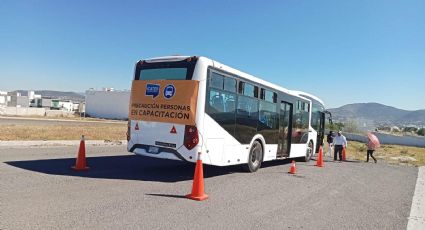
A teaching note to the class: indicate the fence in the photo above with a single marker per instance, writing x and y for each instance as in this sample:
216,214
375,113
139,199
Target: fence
390,139
30,111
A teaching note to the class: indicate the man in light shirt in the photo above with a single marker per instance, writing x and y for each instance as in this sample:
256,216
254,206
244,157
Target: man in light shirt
339,143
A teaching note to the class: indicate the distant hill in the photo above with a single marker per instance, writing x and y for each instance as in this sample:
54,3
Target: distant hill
418,115
76,97
375,114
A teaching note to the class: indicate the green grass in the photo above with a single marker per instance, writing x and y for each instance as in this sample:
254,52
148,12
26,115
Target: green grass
393,154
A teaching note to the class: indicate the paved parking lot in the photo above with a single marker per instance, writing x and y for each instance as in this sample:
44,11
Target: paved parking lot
123,191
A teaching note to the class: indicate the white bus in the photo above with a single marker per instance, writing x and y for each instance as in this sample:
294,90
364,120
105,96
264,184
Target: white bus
237,118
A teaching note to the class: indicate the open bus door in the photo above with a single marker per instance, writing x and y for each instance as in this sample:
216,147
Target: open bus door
321,131
285,130
326,112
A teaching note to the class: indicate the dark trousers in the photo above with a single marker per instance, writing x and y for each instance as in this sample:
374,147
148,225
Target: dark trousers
370,152
338,150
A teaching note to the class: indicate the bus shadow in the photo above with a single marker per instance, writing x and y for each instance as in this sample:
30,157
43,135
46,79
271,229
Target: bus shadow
131,167
277,163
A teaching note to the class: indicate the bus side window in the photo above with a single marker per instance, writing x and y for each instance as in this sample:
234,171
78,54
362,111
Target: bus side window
242,108
217,103
216,80
222,102
230,104
230,84
249,90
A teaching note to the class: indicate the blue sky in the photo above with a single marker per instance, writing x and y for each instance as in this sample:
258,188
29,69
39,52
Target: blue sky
342,51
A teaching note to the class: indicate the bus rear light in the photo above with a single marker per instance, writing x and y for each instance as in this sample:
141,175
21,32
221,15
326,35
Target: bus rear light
128,130
191,138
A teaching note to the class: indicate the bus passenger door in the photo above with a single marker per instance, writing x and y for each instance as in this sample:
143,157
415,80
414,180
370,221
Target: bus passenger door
320,132
285,130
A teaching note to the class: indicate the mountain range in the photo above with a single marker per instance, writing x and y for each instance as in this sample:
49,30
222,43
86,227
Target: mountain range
76,97
375,114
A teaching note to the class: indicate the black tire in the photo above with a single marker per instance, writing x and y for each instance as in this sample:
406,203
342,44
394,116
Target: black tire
255,157
308,152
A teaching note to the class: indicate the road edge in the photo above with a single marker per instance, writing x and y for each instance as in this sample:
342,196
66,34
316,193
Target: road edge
417,210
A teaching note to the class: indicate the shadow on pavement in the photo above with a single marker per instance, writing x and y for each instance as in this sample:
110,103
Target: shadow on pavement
131,167
353,161
166,195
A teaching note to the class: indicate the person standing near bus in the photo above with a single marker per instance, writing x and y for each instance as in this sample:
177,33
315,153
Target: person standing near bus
339,143
330,140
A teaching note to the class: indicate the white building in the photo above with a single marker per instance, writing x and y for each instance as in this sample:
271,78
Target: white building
17,100
107,103
75,106
66,106
3,98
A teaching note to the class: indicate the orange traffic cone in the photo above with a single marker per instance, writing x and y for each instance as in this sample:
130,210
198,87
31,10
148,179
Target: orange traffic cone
80,163
319,162
293,169
198,182
343,154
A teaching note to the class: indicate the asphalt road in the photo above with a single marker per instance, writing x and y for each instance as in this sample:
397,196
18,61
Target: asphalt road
50,122
122,191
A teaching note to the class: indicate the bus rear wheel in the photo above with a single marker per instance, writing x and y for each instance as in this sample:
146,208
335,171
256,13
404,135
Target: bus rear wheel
255,157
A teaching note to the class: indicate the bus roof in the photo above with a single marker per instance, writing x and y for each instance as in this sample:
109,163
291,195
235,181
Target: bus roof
304,94
263,82
171,58
229,69
255,79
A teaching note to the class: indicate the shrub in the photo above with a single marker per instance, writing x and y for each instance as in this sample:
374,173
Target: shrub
410,129
335,126
421,132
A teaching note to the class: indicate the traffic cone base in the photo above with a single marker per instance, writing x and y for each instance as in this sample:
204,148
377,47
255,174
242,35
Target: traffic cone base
198,183
293,168
80,169
198,198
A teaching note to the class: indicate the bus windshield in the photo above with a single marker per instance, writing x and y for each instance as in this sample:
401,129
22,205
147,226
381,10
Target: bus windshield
163,73
167,70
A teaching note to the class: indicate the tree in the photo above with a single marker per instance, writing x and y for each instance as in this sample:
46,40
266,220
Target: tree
335,126
421,132
410,129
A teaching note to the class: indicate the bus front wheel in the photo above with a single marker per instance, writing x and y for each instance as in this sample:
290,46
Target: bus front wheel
308,152
255,157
